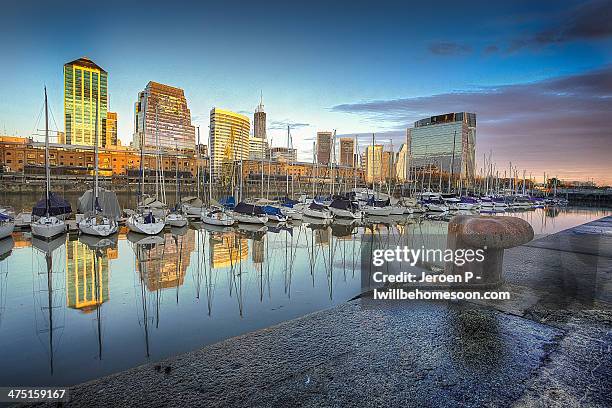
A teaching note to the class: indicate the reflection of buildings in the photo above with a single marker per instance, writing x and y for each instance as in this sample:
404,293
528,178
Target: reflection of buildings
322,236
227,249
86,281
165,265
258,254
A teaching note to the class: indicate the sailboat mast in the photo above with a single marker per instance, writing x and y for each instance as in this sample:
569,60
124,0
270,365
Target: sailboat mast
198,166
47,170
95,200
287,163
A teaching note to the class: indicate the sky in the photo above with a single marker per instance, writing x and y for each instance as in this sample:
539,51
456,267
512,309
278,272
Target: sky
537,74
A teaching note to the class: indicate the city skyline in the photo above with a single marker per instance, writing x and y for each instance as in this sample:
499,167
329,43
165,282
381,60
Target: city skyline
539,80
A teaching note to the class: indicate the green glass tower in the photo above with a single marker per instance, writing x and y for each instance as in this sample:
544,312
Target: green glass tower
85,85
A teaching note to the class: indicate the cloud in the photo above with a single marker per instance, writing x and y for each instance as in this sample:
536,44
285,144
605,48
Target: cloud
449,48
589,21
491,49
282,124
560,123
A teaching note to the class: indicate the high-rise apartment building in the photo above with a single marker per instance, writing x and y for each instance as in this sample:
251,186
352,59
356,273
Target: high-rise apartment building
162,119
374,158
324,147
402,162
229,135
85,93
111,129
447,142
347,151
258,144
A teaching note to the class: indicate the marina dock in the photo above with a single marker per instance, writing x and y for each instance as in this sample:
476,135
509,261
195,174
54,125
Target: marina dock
551,345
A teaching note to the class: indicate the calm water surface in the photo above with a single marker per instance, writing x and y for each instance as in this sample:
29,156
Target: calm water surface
76,308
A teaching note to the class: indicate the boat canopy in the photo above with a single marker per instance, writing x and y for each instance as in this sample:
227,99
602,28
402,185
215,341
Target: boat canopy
4,217
57,206
317,206
152,202
378,203
228,202
192,201
250,209
107,203
343,204
269,210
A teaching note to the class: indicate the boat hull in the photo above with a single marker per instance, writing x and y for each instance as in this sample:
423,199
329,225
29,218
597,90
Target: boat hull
48,227
340,213
6,229
137,224
322,215
176,220
90,226
377,211
250,219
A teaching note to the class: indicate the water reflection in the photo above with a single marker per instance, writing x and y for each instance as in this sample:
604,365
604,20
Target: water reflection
78,308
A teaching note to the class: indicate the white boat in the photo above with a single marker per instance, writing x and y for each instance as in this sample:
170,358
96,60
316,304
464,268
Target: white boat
377,211
319,211
98,222
192,206
99,226
48,227
249,214
292,213
7,224
176,219
435,207
397,210
216,216
345,209
145,223
23,219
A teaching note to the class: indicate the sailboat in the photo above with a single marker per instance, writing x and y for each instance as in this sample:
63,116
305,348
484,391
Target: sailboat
216,214
143,221
48,225
96,222
7,224
176,217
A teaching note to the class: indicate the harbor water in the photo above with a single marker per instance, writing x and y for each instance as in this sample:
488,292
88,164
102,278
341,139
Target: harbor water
76,308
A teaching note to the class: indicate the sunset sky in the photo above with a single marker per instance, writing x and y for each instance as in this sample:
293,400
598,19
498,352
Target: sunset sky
537,74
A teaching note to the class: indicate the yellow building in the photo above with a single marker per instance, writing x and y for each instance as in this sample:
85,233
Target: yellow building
85,93
374,163
111,129
403,161
229,135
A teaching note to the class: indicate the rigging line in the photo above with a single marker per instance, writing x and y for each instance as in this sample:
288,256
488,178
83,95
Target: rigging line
37,120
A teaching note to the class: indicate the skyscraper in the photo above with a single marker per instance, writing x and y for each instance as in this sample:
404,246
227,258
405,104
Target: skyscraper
402,163
85,89
447,142
111,129
347,151
162,118
229,135
258,143
374,163
324,146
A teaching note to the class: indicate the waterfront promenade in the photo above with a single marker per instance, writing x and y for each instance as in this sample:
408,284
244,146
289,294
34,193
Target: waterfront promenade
551,345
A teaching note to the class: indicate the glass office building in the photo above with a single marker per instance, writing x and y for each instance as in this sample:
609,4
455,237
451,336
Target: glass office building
445,142
229,136
85,86
162,119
